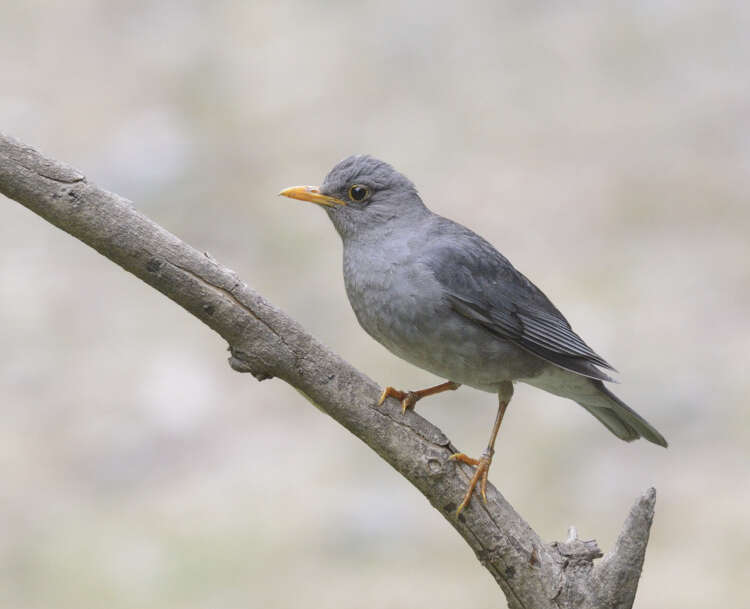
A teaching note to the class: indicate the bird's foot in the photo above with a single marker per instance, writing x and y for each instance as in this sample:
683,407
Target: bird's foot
409,398
480,475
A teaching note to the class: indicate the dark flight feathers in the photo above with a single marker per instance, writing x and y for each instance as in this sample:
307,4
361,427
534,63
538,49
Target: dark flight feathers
483,286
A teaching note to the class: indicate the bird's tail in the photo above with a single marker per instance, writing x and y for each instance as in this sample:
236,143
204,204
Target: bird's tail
618,417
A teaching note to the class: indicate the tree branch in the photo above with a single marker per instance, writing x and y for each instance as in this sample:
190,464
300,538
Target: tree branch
267,343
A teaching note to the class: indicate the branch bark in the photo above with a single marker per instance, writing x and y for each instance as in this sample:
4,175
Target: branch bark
267,343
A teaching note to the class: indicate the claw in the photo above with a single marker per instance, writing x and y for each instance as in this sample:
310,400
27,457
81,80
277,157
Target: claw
480,476
408,401
483,463
390,392
407,398
384,395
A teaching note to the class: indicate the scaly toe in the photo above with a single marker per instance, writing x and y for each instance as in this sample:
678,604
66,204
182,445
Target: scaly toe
390,392
409,401
479,477
483,484
463,459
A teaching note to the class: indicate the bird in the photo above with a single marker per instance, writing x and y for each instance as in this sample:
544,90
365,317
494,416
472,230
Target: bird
441,297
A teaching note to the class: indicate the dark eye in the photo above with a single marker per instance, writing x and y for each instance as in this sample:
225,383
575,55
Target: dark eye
357,192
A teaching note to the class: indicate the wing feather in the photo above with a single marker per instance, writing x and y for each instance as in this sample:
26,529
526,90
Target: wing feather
483,286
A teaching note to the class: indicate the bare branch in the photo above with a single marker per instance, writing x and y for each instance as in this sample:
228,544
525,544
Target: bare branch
267,343
616,577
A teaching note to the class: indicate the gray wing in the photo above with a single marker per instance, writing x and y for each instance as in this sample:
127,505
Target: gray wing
483,286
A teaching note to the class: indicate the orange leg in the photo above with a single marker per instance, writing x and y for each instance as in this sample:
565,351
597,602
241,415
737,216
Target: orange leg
485,460
409,398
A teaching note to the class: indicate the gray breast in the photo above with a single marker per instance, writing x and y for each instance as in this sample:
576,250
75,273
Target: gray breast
398,301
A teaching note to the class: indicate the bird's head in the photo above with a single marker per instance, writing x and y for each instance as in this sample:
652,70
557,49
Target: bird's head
361,193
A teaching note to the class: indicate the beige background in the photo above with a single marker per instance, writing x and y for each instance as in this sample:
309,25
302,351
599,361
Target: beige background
604,148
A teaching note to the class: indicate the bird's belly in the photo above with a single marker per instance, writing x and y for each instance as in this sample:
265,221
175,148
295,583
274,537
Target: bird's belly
417,325
463,354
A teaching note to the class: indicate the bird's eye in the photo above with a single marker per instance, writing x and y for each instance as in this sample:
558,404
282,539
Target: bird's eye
357,192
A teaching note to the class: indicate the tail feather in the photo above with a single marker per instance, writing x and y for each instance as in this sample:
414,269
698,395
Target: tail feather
612,422
620,418
591,393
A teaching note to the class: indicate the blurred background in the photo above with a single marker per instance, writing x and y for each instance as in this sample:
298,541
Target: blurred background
604,148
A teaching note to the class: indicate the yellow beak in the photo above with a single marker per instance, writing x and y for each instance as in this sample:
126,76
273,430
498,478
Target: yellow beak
312,194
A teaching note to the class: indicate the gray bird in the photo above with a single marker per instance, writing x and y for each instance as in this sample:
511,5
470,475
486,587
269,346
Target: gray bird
441,297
